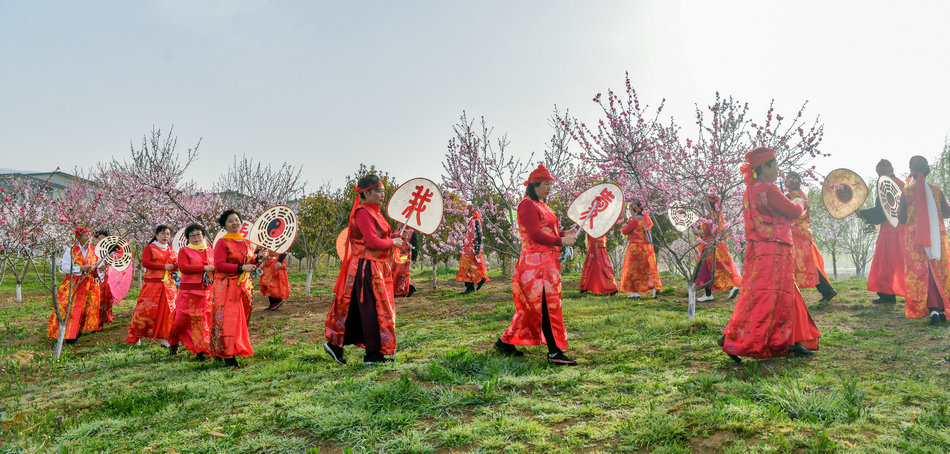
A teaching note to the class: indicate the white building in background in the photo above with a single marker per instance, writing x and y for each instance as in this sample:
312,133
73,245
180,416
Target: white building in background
59,181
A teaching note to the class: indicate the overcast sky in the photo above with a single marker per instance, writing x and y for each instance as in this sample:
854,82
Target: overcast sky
331,84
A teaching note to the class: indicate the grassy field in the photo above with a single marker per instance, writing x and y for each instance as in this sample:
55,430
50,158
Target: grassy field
649,380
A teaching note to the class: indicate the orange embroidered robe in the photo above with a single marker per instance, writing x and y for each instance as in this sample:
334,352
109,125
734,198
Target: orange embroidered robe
155,308
726,273
598,273
918,268
770,315
808,261
381,282
274,282
471,264
83,316
639,273
231,303
536,279
192,322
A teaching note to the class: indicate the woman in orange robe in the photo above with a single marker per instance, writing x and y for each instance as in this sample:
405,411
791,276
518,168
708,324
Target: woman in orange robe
770,318
193,306
639,273
472,269
78,263
886,276
923,208
809,265
597,275
231,306
536,280
274,283
402,265
726,276
105,292
155,308
363,312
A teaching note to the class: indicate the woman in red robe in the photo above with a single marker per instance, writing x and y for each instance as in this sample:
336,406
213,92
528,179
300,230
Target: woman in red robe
597,275
809,265
639,273
274,283
193,306
402,265
472,269
231,306
725,275
886,276
155,308
923,208
78,263
770,318
536,280
105,292
363,312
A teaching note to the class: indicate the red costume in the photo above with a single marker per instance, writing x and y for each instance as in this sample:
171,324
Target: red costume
536,280
770,315
193,306
83,316
363,312
926,264
156,304
231,306
402,265
808,261
598,273
274,282
886,276
472,267
726,274
106,300
639,273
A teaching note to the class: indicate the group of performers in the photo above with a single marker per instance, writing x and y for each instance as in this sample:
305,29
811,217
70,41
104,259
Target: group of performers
209,311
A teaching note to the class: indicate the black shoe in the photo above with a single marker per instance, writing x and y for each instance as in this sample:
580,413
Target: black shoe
560,359
412,289
273,307
882,300
375,358
479,285
335,352
173,350
735,358
582,291
70,341
721,341
828,296
468,290
943,318
936,320
200,356
799,350
507,349
231,362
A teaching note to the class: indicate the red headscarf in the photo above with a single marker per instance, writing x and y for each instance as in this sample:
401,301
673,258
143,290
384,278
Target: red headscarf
474,213
919,170
538,175
79,231
754,159
341,277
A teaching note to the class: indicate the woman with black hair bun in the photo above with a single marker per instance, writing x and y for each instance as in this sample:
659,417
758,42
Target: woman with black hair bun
156,304
231,310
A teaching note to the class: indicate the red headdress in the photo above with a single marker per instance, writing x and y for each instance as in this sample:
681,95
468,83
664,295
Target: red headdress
341,277
79,231
538,175
474,213
754,159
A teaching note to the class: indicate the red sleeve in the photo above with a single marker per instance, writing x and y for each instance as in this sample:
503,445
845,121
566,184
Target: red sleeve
188,266
780,204
148,261
366,225
221,259
628,228
529,217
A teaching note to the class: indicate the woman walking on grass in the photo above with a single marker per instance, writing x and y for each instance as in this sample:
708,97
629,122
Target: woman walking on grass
156,304
193,306
536,281
231,310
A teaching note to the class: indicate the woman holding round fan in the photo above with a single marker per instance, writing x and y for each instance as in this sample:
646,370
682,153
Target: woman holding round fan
536,281
193,307
639,273
156,304
363,312
231,310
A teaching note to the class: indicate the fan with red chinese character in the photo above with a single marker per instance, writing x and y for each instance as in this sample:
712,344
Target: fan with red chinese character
417,204
597,209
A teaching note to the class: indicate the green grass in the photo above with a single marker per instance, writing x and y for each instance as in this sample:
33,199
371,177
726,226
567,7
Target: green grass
649,380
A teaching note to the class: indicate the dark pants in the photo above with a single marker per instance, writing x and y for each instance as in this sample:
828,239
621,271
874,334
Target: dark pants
887,297
546,325
273,300
934,298
824,287
362,325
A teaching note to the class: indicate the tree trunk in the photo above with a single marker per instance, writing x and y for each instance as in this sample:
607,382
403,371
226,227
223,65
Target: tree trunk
59,340
435,276
19,291
834,263
309,279
691,307
3,270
